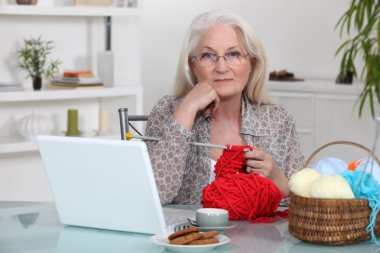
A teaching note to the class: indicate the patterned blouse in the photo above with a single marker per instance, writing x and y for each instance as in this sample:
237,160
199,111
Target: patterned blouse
182,170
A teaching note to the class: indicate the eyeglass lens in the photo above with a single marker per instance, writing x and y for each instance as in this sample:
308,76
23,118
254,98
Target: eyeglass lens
209,59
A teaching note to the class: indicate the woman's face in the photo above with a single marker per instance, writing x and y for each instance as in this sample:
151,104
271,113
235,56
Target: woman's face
229,77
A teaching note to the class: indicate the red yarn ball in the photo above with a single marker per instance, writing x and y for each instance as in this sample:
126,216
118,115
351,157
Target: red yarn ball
245,196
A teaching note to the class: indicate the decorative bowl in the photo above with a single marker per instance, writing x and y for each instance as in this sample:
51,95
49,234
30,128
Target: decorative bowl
34,124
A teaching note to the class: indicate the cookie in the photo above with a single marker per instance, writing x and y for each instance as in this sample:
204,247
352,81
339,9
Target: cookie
210,234
185,239
204,241
183,232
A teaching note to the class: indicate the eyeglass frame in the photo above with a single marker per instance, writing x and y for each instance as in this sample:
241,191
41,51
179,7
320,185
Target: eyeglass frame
217,59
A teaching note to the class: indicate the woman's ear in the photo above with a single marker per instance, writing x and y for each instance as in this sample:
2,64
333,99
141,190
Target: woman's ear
191,63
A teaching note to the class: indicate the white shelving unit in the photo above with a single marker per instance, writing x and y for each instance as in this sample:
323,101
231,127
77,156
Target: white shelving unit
69,94
10,144
68,11
22,176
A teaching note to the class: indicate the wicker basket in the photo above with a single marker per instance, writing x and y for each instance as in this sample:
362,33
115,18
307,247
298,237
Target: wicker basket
330,221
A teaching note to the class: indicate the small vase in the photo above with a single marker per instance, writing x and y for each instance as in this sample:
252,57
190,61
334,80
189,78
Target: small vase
347,79
37,83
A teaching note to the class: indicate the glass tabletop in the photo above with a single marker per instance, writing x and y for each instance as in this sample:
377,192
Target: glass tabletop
35,227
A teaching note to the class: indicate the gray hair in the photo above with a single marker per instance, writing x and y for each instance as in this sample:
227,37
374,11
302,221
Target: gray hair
255,89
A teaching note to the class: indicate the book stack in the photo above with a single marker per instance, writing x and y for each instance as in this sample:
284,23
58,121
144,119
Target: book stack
93,2
77,79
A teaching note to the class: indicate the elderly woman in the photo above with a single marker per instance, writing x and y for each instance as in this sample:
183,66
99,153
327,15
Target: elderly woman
220,98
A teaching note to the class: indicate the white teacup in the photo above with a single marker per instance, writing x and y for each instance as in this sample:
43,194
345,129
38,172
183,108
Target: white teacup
211,217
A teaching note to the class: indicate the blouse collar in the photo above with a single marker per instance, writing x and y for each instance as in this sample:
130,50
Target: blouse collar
250,120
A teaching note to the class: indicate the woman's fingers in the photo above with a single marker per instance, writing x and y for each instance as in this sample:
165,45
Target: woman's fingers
259,162
255,155
208,99
260,172
215,104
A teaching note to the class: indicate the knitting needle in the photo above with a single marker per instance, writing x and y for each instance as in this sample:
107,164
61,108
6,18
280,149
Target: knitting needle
371,156
129,136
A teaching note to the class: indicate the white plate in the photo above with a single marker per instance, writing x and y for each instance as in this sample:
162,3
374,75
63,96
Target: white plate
163,241
229,225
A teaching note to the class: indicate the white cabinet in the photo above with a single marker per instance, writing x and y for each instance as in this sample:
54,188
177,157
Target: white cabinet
325,112
22,175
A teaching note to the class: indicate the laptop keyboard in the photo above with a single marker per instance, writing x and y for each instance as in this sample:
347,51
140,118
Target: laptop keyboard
176,219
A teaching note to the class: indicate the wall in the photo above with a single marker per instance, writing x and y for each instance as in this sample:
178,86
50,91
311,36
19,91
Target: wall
298,35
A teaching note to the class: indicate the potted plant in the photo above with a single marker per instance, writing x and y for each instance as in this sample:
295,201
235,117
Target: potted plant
33,58
363,19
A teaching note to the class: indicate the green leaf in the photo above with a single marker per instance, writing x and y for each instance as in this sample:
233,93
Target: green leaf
342,46
369,4
343,64
378,34
349,16
359,16
342,26
341,22
371,105
362,97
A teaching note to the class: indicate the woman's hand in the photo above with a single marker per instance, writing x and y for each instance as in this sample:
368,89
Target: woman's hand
203,98
263,164
260,162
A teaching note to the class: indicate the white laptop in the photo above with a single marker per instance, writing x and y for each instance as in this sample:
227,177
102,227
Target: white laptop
107,184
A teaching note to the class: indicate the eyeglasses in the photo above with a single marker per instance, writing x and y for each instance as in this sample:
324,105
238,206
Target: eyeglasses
209,59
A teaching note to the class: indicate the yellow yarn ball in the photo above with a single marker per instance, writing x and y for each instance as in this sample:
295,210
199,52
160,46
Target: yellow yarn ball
331,187
300,182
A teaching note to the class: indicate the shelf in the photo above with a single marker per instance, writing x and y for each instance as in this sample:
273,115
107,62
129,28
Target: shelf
16,145
20,96
9,145
91,11
317,86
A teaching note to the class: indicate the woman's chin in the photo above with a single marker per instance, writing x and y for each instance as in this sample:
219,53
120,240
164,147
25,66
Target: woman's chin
224,92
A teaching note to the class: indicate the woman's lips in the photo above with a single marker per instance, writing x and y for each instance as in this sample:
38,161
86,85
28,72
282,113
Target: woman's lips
222,80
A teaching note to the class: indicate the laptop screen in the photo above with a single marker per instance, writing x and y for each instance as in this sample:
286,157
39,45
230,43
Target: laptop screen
101,183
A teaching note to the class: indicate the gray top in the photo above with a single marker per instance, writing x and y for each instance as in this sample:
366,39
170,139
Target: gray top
183,170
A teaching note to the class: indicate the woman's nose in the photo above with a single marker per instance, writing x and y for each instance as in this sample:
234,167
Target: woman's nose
221,65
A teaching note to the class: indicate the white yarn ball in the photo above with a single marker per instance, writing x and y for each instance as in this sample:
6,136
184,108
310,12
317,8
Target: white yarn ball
331,187
300,182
